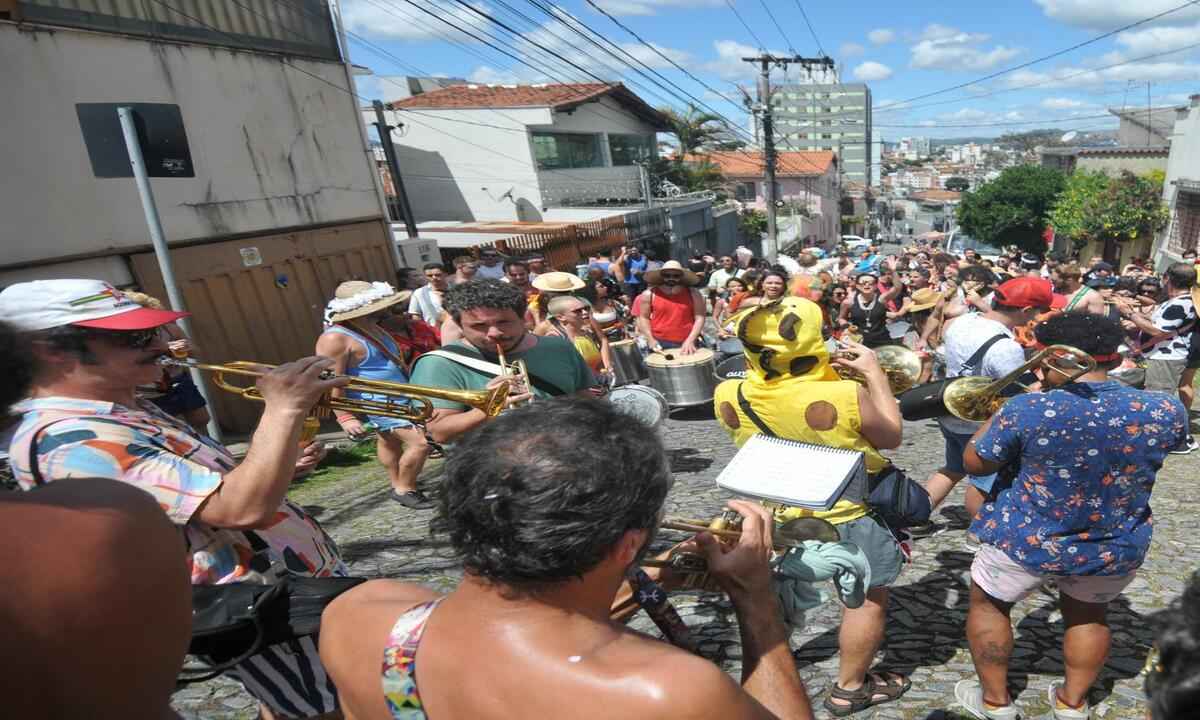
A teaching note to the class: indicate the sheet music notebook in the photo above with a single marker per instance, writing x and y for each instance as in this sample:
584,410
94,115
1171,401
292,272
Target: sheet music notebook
795,473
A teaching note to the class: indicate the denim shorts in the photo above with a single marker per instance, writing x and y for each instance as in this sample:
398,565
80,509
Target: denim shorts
956,443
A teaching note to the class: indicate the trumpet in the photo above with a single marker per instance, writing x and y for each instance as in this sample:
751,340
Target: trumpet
405,402
978,398
517,369
901,365
727,527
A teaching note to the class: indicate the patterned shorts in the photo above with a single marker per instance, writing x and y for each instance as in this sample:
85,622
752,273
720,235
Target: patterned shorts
1003,578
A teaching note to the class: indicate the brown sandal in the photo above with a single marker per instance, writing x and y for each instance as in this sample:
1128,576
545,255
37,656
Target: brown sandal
877,682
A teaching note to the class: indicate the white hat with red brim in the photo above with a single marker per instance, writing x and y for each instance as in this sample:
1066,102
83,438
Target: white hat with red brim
45,304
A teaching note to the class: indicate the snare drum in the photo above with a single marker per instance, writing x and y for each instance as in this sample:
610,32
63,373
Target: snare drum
685,380
627,362
732,368
641,402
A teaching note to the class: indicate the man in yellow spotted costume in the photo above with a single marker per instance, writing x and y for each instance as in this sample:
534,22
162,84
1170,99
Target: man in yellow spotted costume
792,391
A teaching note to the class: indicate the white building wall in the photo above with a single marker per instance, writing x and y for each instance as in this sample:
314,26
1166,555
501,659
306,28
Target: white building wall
272,147
462,164
1183,163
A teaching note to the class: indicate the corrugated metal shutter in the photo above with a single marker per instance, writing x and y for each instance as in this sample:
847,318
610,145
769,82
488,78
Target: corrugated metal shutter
262,298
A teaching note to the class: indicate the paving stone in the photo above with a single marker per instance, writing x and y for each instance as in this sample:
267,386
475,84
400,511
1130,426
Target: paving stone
927,611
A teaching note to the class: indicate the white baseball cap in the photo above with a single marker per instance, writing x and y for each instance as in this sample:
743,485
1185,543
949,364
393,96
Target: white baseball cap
44,304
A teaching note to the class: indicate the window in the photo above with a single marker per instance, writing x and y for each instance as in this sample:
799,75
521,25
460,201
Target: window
553,151
630,149
746,192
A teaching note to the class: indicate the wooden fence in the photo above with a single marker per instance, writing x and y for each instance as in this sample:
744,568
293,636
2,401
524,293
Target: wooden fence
566,247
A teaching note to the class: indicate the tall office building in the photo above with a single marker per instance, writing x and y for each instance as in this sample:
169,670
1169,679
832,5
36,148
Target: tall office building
833,117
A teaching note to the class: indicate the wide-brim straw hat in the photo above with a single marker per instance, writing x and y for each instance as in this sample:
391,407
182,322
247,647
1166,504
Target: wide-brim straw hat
358,298
654,277
924,299
558,281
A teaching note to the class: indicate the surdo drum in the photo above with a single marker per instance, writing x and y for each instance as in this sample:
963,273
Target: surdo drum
685,380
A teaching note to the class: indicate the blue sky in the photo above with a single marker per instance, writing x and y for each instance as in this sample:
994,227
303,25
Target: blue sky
901,49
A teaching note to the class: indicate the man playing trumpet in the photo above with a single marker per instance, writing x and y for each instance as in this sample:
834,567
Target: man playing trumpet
491,315
792,391
92,348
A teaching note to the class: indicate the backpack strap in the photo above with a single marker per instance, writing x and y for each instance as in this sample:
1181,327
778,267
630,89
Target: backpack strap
744,404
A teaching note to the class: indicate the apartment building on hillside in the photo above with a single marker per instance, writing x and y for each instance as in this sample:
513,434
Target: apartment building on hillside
834,117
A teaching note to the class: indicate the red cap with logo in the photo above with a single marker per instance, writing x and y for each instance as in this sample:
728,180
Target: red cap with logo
1025,292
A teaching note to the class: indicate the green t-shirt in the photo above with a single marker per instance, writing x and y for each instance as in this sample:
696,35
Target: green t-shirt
553,360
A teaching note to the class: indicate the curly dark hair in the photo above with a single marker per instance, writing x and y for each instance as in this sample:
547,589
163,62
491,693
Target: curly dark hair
977,273
1173,684
1091,333
486,293
16,366
531,499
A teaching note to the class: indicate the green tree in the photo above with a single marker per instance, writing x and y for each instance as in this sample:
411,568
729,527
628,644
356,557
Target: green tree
958,184
696,130
1012,209
1107,210
752,223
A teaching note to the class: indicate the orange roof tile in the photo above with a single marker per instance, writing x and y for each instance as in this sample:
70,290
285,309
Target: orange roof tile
937,195
563,96
738,163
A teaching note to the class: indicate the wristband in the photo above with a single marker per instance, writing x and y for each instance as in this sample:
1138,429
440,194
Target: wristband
344,417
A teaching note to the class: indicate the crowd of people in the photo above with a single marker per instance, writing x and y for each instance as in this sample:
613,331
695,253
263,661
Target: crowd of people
1059,479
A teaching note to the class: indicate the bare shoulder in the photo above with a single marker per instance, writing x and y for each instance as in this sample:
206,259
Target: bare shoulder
681,685
332,343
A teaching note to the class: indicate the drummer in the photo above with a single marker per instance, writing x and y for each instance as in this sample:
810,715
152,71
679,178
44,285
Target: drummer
672,311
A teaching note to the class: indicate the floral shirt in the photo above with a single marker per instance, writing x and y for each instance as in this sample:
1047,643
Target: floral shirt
180,469
1088,454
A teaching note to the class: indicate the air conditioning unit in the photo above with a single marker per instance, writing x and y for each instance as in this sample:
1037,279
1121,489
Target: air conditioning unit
415,252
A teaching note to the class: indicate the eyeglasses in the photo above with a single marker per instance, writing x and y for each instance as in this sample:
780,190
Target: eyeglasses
672,276
579,311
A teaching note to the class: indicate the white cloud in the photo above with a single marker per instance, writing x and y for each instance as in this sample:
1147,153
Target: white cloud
872,71
1107,14
1061,103
649,7
653,59
728,65
881,36
946,48
1083,77
849,50
966,114
487,75
1158,39
408,23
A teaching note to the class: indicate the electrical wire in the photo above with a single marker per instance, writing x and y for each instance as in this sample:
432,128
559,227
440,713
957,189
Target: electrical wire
810,29
757,39
787,41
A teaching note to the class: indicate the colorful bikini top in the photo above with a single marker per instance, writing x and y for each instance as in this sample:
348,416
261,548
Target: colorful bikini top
400,663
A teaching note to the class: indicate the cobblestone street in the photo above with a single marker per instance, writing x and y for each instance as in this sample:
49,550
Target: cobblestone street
925,631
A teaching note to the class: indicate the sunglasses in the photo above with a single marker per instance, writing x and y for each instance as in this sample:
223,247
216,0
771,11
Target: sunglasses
133,339
672,276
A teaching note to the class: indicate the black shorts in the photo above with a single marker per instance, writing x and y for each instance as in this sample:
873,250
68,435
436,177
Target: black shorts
1193,358
181,397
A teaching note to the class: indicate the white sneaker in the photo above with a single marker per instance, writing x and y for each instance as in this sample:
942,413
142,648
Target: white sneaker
1190,446
969,694
1066,713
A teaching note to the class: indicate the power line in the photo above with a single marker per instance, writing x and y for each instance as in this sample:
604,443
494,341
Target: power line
757,39
1044,58
1003,124
810,28
782,34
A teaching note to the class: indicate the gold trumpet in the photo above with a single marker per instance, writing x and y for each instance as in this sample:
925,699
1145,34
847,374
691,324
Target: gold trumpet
727,526
405,402
516,369
978,398
901,365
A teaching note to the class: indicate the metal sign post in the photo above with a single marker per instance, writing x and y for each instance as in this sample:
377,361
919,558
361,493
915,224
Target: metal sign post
161,253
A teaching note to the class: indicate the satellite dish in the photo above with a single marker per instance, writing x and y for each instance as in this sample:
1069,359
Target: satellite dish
1069,136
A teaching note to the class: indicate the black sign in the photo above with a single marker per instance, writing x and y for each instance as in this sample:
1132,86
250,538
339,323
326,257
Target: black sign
160,133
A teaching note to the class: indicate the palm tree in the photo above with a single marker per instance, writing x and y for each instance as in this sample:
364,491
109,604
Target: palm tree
695,130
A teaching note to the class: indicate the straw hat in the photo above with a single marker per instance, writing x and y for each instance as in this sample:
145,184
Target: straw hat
557,281
654,277
924,299
356,298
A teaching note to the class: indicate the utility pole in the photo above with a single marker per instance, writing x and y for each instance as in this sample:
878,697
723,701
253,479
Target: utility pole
765,62
385,137
644,176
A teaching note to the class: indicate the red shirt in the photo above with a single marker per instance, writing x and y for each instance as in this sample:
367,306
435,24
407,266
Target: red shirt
671,316
421,338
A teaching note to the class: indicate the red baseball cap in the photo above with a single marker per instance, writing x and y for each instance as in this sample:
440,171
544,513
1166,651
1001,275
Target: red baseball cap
44,304
1025,292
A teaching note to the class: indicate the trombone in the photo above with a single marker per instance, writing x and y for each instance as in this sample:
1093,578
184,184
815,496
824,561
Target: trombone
978,398
394,400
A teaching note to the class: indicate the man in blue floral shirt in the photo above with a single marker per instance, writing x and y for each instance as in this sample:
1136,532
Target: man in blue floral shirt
1078,510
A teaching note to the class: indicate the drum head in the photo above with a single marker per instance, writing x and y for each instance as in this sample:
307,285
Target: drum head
676,358
641,402
732,368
